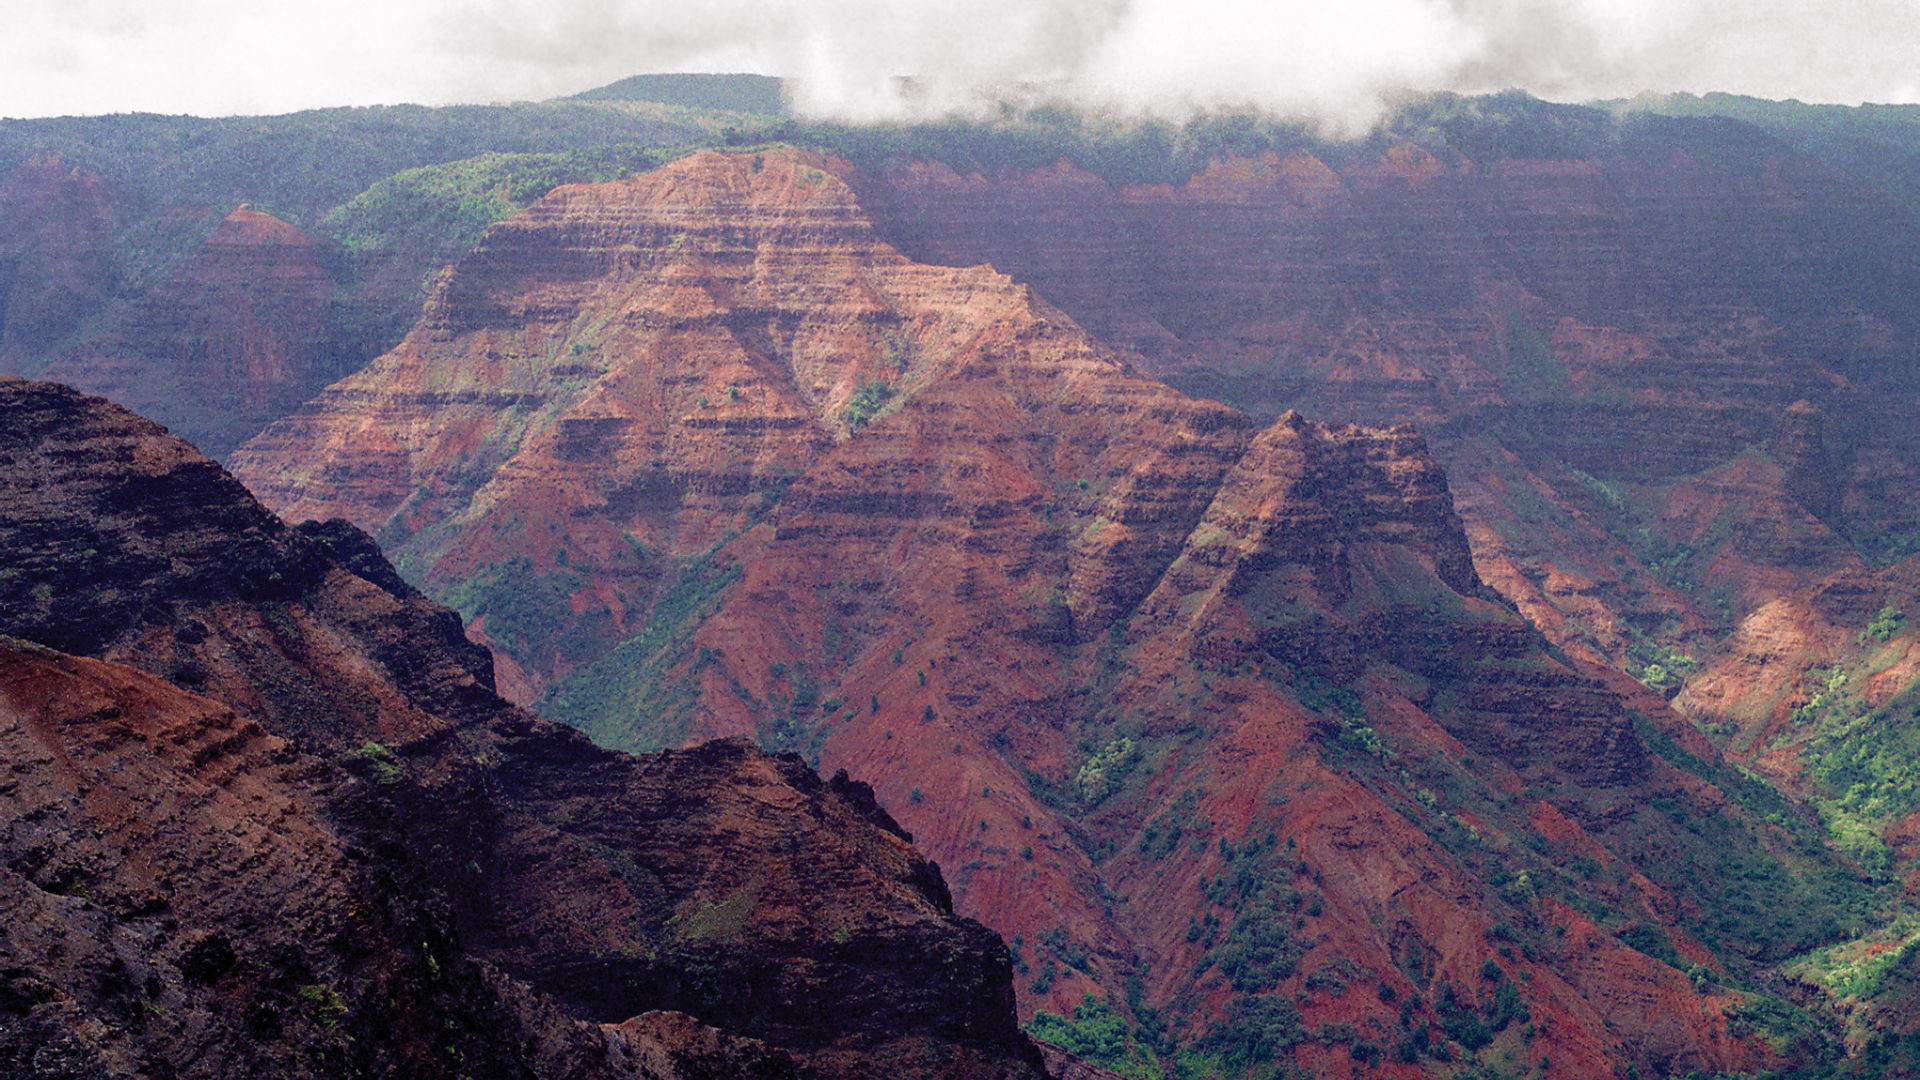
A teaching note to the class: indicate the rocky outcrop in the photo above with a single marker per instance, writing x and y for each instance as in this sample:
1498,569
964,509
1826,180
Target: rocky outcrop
129,545
182,899
232,338
343,853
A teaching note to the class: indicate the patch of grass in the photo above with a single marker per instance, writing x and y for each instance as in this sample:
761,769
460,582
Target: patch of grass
866,403
640,696
1099,1033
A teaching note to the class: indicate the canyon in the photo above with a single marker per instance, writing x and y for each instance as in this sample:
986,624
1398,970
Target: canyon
705,457
1508,670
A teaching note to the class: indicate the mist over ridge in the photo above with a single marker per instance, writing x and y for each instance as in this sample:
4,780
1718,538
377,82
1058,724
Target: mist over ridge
866,60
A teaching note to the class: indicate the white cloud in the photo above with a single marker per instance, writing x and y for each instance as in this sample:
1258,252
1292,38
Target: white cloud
1289,55
226,56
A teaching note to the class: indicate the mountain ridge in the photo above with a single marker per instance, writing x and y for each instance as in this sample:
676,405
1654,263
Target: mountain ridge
355,857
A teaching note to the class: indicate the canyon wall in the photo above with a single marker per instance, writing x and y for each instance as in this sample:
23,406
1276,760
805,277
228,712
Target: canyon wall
1221,722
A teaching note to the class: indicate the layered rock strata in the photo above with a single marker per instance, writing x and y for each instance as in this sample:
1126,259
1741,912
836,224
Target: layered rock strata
1185,706
1624,320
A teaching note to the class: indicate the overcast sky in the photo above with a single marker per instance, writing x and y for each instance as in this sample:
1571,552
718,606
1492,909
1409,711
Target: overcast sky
218,57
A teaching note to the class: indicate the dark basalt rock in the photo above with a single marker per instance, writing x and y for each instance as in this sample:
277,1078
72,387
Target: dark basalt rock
343,855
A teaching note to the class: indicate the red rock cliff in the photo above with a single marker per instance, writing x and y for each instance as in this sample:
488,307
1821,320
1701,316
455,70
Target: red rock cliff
1225,711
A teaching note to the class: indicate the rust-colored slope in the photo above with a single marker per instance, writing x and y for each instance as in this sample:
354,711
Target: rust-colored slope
1327,563
1163,692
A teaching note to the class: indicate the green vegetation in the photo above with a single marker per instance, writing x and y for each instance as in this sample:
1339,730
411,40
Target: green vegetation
1862,761
639,696
1260,948
1787,1028
1763,895
1100,1034
1531,372
1672,562
1884,626
376,761
1106,770
1120,151
327,1005
865,404
1661,667
1161,835
1510,124
753,94
1257,1029
1857,970
447,206
525,608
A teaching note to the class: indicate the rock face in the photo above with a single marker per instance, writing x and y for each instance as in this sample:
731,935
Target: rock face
630,372
344,855
131,546
1577,333
233,338
1220,717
